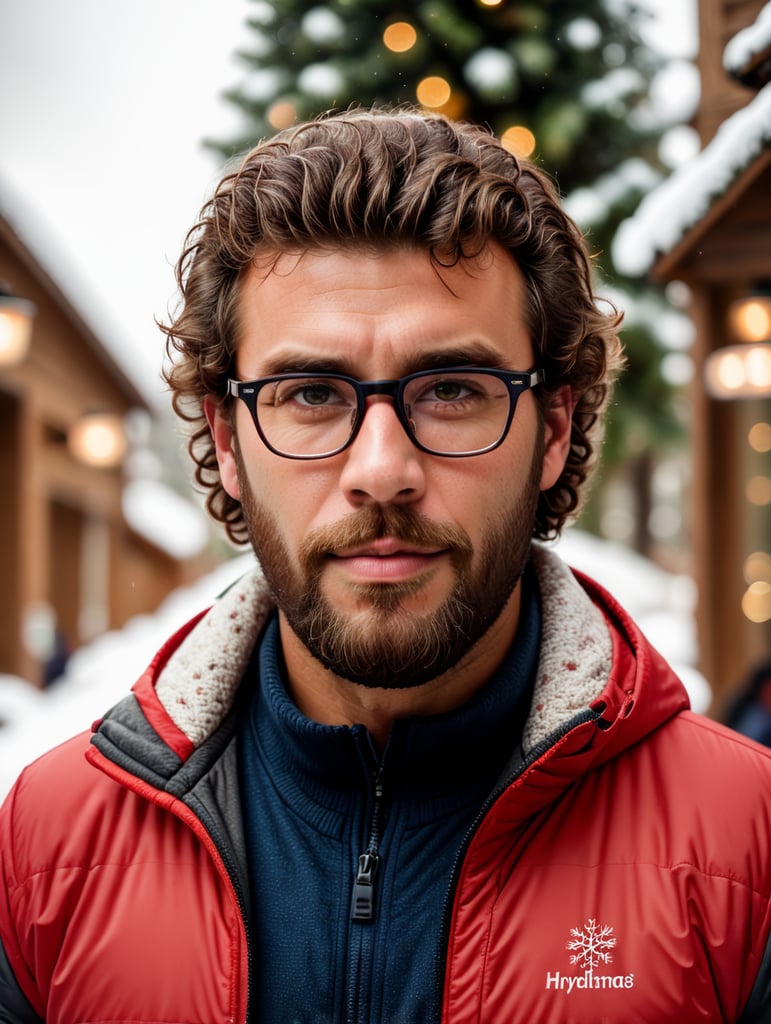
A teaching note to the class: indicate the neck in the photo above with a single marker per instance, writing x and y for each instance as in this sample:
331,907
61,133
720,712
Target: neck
332,700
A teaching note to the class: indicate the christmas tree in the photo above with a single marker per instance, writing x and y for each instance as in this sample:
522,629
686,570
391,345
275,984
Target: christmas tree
563,82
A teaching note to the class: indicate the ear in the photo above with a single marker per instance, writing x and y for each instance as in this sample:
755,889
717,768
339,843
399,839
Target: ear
557,427
224,440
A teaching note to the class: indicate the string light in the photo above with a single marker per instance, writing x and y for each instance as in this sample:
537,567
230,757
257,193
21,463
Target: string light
759,437
519,140
756,602
282,115
757,568
400,37
433,91
758,490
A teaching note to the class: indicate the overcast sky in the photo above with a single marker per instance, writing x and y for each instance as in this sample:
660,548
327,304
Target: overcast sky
103,106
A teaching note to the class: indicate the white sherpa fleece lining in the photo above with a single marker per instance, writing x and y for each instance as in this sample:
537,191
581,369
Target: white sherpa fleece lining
199,682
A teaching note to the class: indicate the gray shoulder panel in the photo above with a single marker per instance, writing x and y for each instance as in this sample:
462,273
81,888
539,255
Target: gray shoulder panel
126,737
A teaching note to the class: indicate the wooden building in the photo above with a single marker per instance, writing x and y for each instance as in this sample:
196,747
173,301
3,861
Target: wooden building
72,567
709,226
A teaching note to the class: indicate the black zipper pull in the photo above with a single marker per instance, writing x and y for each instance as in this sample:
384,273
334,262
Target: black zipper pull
363,905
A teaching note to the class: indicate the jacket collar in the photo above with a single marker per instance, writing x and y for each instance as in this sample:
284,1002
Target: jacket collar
583,633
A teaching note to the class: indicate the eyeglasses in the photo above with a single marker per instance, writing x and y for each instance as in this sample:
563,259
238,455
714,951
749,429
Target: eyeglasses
454,412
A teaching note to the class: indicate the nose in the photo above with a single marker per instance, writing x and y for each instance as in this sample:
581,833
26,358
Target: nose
382,465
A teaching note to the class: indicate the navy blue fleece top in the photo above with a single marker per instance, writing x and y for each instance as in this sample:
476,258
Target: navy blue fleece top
320,806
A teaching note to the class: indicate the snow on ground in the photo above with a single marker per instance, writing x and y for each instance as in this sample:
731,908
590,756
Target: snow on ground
32,721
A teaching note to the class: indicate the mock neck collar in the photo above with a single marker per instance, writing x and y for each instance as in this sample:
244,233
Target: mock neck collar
434,756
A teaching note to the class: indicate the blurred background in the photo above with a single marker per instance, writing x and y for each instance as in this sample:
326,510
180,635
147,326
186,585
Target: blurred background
654,117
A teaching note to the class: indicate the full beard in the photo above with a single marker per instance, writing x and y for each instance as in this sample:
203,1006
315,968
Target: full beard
387,645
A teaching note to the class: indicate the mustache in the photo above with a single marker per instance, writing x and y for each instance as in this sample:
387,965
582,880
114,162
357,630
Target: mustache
376,521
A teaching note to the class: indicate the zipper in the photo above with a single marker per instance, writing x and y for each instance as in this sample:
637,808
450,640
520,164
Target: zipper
513,773
361,931
363,900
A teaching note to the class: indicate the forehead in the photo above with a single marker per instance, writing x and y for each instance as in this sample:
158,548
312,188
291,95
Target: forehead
379,312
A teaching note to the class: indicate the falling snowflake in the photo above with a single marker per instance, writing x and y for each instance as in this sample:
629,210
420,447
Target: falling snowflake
592,945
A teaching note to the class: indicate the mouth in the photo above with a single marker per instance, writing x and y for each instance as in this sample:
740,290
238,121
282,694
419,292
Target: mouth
386,560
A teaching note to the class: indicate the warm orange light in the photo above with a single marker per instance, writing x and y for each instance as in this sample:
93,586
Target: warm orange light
759,437
16,317
491,3
400,37
739,371
758,490
756,603
98,439
750,318
282,115
519,140
433,91
757,567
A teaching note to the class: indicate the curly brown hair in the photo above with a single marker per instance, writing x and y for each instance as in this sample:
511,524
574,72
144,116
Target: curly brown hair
379,179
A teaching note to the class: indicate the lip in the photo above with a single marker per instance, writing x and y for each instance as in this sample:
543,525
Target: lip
385,547
387,560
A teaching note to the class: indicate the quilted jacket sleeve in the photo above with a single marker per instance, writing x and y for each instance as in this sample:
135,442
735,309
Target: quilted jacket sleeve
14,1006
758,1008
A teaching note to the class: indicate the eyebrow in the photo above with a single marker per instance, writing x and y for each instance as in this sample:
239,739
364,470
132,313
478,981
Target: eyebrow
473,353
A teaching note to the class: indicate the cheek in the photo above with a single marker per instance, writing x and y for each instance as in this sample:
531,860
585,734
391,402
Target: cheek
297,496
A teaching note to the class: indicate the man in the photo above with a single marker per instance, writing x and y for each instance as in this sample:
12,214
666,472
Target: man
417,771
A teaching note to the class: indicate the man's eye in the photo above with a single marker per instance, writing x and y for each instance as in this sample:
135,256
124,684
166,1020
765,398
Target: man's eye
314,394
448,390
306,393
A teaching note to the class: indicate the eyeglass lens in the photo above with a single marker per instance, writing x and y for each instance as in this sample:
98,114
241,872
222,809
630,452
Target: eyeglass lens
452,413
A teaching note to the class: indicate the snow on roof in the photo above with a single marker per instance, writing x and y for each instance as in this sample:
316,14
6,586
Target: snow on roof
51,256
665,215
748,44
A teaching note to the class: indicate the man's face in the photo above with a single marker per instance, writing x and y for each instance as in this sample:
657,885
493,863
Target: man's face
389,564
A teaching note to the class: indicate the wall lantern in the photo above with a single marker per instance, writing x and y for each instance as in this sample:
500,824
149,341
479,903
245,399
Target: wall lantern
98,439
749,319
743,370
16,316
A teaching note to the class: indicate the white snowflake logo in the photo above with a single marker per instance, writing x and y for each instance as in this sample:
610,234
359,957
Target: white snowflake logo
592,945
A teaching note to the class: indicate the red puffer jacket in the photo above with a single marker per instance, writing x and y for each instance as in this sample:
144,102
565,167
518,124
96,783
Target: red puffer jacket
620,872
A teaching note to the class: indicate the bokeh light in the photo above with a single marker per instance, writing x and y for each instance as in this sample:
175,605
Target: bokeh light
756,602
751,318
739,371
282,115
519,140
98,439
757,567
433,91
400,37
759,437
759,491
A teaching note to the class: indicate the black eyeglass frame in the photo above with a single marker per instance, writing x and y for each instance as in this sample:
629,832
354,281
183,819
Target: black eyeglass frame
516,381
